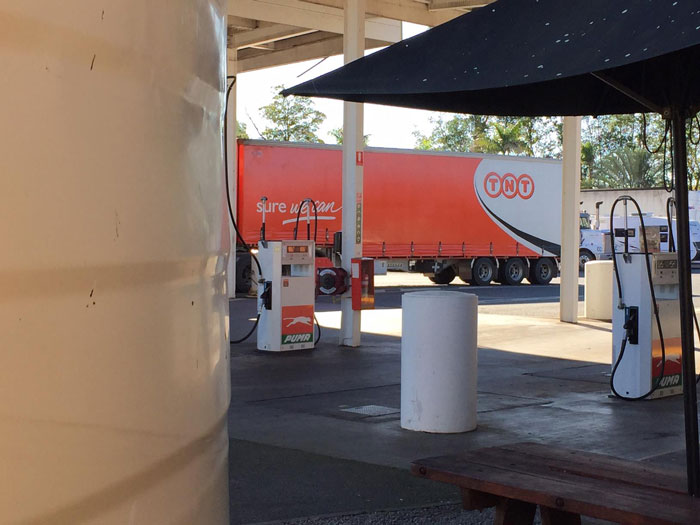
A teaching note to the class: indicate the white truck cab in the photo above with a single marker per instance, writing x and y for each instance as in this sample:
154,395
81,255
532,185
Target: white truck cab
594,243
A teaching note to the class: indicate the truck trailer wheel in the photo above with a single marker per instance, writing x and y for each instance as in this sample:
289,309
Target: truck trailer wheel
514,271
244,273
464,272
444,277
483,271
541,271
584,256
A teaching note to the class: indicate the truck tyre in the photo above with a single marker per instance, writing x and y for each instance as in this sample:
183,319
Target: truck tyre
244,274
483,271
514,271
584,256
541,271
444,277
464,272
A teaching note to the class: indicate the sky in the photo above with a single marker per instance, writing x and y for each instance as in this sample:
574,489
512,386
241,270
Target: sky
386,126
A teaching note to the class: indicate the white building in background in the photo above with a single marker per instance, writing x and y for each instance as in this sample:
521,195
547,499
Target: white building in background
650,201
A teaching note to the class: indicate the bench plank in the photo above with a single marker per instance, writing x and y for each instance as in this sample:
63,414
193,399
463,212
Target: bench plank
570,482
604,467
546,469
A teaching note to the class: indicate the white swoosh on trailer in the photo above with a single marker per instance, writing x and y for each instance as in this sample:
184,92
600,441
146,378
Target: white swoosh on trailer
303,219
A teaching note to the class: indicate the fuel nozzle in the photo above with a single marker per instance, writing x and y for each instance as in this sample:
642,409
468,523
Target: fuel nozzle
631,325
308,218
263,199
625,232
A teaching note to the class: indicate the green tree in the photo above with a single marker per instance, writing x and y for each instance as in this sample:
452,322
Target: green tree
505,137
617,131
588,157
292,119
630,168
693,154
530,134
337,134
241,131
611,141
547,141
534,136
693,166
455,134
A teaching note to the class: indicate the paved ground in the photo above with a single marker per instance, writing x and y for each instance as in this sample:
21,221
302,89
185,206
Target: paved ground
299,456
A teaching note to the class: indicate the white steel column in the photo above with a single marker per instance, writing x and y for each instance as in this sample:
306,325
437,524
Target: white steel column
353,130
232,171
571,183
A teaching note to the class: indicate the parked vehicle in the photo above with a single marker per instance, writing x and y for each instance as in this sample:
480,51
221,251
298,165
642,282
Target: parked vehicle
595,243
650,221
481,218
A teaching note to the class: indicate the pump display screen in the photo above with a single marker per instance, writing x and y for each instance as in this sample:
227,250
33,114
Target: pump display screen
667,264
297,249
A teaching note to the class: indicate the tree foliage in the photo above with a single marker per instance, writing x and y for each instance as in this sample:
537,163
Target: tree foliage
482,134
337,134
628,167
457,133
505,138
291,119
626,151
617,151
241,131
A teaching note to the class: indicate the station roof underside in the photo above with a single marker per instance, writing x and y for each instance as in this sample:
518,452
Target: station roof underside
268,33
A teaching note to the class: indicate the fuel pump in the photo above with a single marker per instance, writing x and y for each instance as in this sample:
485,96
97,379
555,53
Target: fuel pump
286,297
646,318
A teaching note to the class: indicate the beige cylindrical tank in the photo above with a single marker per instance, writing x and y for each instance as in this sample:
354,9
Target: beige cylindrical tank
114,364
598,290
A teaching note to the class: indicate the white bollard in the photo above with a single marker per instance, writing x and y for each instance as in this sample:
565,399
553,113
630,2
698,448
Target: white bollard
598,290
439,362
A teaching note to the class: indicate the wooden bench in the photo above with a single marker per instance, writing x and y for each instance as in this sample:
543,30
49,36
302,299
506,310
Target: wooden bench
566,484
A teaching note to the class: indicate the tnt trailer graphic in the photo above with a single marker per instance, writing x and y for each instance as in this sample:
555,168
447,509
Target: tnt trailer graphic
511,193
297,324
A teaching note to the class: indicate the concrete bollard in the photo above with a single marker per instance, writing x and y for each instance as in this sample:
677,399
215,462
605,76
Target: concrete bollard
598,290
439,361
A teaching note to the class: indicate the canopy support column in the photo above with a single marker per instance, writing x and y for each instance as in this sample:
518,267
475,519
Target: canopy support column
353,133
685,295
232,151
571,183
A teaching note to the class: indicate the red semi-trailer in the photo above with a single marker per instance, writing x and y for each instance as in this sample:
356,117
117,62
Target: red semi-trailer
479,217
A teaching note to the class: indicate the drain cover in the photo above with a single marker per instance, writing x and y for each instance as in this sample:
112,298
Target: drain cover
371,410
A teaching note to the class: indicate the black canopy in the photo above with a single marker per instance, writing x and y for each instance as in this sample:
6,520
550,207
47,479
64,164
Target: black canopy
535,57
555,57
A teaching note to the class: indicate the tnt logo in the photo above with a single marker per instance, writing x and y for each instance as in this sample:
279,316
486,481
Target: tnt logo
509,185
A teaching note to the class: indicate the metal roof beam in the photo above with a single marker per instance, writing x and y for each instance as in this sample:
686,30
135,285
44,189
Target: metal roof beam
440,5
267,34
404,10
251,60
238,22
311,16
